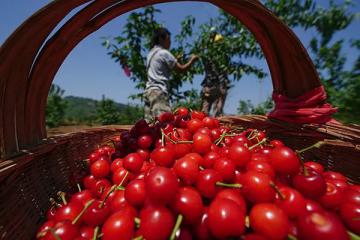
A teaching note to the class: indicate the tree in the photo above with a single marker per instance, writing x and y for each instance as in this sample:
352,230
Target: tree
107,112
246,107
131,114
55,108
239,45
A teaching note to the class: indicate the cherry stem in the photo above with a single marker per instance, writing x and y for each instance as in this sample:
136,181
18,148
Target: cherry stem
316,145
176,227
184,141
54,234
247,221
112,189
356,219
138,238
79,187
163,136
54,203
96,232
353,236
291,237
251,135
123,180
87,205
277,190
137,222
219,140
41,234
62,196
259,143
229,185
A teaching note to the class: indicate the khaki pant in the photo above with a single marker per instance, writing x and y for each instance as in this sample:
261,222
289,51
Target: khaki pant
213,98
156,102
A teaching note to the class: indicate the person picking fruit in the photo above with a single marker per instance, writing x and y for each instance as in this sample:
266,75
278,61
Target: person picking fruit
160,63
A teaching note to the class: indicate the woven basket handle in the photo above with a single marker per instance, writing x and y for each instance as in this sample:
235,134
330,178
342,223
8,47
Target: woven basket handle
29,69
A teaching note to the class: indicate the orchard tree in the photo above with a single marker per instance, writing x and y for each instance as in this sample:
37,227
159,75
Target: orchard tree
55,108
107,112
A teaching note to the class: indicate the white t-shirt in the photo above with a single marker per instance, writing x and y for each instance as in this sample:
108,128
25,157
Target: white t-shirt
159,64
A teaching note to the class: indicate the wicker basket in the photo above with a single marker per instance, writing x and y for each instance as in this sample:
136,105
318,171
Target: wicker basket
33,167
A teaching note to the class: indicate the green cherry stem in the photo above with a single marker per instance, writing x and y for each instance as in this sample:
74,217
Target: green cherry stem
112,189
259,143
87,205
137,222
62,196
96,232
291,237
353,236
176,227
277,190
229,185
138,238
316,145
54,234
79,187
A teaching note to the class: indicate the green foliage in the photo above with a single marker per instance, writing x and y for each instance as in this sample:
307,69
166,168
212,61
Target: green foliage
107,113
130,114
238,45
192,100
80,110
55,108
246,107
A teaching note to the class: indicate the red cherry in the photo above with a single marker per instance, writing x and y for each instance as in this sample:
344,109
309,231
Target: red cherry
100,168
256,187
135,193
82,197
198,115
96,214
163,156
208,160
133,162
226,168
116,164
206,182
120,225
269,220
157,222
144,141
234,195
161,185
239,154
311,184
334,176
226,218
202,143
202,231
194,124
321,225
187,170
350,213
64,230
188,203
261,167
284,160
316,166
332,197
291,201
182,111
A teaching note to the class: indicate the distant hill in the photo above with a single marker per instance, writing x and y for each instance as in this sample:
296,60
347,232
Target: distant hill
80,109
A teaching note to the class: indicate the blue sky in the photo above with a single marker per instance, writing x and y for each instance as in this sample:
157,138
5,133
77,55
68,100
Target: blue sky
89,72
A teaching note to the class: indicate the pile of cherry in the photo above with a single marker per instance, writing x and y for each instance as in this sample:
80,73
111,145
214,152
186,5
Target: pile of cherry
186,176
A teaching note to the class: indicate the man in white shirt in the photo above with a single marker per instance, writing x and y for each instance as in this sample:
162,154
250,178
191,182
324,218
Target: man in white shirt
159,64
